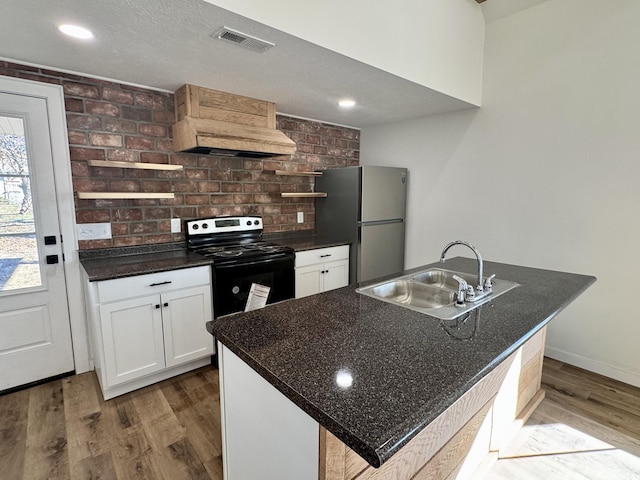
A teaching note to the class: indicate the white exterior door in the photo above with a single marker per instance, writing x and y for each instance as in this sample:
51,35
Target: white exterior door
35,332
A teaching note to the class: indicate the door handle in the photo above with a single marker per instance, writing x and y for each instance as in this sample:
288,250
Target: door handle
166,304
52,259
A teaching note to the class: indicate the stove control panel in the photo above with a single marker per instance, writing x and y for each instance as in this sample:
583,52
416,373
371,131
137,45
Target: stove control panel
207,226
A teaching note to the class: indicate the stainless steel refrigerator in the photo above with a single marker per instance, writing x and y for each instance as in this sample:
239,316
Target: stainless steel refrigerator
366,206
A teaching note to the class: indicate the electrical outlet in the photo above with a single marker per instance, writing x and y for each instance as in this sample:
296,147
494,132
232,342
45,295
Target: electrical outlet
175,225
93,231
300,217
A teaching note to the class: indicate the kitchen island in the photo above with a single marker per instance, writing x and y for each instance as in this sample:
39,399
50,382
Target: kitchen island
341,385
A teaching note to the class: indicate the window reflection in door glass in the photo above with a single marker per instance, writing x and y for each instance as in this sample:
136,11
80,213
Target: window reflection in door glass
19,262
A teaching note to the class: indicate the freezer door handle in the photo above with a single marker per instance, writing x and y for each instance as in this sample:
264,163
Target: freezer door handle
380,222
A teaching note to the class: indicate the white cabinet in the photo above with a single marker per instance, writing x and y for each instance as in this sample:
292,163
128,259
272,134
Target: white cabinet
149,327
321,270
131,338
184,314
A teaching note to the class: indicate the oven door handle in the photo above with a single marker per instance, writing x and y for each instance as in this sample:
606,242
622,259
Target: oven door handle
280,257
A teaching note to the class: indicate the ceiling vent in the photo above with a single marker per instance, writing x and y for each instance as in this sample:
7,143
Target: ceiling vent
242,39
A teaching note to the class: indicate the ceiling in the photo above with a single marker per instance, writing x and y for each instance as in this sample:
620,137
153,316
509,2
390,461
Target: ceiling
164,44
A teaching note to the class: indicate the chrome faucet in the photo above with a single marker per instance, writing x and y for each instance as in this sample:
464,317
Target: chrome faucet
480,288
465,291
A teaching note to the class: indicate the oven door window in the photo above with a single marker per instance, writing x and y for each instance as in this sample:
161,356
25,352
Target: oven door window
233,282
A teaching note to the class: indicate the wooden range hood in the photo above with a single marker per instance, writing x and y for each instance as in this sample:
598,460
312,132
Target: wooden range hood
217,123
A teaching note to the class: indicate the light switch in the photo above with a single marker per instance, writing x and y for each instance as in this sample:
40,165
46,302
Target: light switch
300,217
175,225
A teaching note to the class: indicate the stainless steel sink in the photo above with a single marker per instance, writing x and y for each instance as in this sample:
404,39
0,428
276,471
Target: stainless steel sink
409,292
433,292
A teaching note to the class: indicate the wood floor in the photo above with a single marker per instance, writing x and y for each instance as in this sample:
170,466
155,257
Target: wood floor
587,428
63,429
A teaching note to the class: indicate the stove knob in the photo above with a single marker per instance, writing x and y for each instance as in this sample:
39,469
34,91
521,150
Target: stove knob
195,227
256,222
249,222
205,225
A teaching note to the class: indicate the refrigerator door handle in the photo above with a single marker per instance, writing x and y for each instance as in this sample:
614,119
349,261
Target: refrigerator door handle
380,222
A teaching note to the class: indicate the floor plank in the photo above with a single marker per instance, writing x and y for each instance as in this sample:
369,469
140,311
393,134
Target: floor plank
46,455
14,411
97,467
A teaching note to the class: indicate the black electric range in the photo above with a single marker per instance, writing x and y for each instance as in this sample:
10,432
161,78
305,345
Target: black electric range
240,258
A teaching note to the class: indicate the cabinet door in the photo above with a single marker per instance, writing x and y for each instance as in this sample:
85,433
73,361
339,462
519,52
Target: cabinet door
132,338
308,280
184,314
336,275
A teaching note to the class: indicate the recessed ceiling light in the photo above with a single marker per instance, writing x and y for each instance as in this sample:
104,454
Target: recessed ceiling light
76,31
347,103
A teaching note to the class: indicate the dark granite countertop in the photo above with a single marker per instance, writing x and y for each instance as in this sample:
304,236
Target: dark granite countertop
303,240
406,367
119,262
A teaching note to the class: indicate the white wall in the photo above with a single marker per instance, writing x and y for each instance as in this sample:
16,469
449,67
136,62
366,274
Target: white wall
546,173
437,44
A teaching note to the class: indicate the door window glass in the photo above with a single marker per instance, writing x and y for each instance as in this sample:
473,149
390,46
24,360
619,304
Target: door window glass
19,260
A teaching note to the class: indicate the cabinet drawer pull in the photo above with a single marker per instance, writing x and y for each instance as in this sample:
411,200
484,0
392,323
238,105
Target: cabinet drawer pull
160,283
166,304
325,255
157,305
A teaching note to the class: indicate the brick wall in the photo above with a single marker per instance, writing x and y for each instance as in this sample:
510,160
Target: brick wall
109,121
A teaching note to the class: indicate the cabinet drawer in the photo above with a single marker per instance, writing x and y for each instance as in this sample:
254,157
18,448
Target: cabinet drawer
321,255
130,287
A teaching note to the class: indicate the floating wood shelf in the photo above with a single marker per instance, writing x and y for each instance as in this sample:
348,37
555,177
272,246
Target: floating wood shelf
121,195
301,174
137,165
308,195
298,174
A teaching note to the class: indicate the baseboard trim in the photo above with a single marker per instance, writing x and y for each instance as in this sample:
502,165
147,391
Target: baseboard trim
122,388
593,366
36,383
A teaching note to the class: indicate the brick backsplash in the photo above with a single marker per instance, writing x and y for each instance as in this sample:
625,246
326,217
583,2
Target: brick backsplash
109,121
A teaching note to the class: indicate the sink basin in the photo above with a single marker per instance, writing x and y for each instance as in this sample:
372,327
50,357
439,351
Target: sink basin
409,292
433,292
443,279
